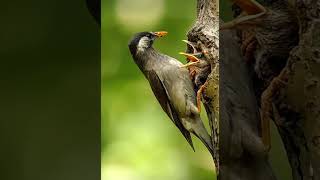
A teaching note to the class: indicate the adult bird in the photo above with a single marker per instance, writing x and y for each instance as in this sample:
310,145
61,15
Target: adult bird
172,86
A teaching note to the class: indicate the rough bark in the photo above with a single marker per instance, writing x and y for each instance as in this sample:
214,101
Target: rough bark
292,97
239,152
297,103
235,121
242,153
205,35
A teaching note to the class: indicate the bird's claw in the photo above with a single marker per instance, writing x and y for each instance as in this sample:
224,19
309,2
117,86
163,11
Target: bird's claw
199,95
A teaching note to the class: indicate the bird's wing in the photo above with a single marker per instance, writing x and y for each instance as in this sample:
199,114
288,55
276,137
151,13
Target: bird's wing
163,97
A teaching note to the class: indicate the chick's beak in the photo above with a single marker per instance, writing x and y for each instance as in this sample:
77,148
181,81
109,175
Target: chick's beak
161,33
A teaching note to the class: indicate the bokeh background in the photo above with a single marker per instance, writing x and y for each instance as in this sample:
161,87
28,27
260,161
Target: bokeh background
139,142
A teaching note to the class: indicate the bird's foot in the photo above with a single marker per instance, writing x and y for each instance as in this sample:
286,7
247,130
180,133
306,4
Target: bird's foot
199,95
253,11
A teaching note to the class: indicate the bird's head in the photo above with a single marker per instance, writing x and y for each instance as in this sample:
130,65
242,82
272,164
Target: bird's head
143,41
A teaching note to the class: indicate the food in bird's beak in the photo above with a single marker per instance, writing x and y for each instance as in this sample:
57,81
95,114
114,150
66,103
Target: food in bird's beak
161,33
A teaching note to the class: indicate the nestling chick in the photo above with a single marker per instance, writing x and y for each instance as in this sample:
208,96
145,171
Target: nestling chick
171,85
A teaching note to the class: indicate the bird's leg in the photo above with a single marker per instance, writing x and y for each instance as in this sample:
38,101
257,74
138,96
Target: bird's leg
253,10
199,94
266,105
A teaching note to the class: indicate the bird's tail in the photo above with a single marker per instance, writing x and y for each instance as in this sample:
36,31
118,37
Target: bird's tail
201,132
187,135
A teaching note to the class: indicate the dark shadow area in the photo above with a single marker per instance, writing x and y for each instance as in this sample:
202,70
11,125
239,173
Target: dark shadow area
50,91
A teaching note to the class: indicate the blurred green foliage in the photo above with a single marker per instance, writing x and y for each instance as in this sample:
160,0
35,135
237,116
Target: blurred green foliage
139,142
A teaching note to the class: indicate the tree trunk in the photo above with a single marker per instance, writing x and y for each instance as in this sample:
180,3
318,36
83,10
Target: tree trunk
298,103
239,152
205,35
234,116
242,153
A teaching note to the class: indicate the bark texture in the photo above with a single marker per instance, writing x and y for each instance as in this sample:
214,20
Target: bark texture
298,103
292,97
233,117
205,35
242,153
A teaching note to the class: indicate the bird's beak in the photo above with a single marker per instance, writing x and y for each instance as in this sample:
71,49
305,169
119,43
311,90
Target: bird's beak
161,33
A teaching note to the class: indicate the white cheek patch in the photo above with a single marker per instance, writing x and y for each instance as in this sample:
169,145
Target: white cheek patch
143,44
